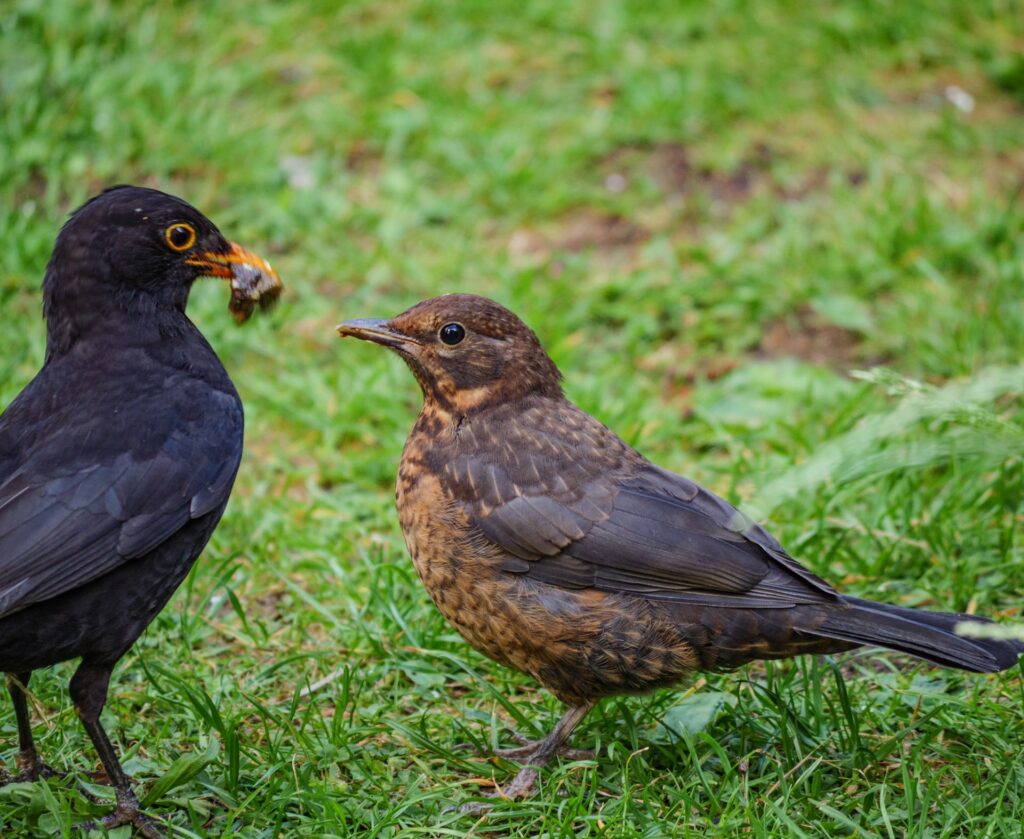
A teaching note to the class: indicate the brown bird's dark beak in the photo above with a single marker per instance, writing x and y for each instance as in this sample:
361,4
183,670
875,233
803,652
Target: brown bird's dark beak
378,331
253,280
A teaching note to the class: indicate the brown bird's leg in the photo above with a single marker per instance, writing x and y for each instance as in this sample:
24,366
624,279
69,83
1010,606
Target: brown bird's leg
523,783
89,693
527,747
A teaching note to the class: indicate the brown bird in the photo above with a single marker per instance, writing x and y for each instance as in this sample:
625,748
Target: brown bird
555,548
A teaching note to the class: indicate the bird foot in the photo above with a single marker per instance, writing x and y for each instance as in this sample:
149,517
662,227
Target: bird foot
30,769
527,748
126,812
535,755
522,786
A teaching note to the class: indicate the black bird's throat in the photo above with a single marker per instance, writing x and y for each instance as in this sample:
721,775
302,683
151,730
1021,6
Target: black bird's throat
82,305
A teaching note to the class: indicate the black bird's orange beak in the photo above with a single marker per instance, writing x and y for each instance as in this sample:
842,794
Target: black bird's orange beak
378,331
253,280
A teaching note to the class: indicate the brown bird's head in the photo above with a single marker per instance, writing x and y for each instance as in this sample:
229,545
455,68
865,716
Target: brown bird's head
465,351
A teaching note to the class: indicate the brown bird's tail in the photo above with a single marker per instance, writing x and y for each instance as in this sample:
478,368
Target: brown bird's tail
928,635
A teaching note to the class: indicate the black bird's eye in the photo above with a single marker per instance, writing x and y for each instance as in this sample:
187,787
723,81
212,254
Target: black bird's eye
180,237
452,333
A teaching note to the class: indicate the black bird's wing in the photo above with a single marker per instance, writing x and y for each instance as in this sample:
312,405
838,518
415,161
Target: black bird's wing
578,509
98,482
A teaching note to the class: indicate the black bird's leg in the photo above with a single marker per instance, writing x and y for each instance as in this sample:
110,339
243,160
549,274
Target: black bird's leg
28,759
89,693
536,756
30,767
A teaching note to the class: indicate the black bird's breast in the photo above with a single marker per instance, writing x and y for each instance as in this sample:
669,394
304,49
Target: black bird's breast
115,466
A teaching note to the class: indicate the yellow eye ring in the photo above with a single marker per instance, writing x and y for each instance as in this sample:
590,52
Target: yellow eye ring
180,236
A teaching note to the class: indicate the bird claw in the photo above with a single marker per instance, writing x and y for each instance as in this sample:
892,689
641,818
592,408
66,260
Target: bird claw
533,755
521,787
126,812
32,769
524,752
526,749
473,808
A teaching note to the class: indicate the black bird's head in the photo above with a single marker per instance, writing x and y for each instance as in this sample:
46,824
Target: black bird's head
137,251
465,351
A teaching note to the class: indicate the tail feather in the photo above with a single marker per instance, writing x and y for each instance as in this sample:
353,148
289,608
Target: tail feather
927,635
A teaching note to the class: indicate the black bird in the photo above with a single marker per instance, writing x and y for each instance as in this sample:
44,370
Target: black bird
117,459
555,548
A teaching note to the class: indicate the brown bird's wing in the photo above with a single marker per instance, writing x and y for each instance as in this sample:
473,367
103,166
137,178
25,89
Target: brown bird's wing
527,488
668,538
585,511
85,492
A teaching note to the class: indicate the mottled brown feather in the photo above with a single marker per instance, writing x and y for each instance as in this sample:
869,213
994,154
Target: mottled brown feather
555,548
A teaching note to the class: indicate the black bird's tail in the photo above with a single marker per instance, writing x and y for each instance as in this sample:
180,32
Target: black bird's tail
927,635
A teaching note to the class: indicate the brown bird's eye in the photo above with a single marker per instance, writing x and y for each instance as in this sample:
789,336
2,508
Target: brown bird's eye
452,334
180,237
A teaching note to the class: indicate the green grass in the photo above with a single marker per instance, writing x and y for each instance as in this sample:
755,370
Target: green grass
710,217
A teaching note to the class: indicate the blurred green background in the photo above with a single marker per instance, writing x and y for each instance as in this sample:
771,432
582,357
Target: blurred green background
712,214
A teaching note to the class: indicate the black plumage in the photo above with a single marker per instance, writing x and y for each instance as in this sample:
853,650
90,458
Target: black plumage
117,459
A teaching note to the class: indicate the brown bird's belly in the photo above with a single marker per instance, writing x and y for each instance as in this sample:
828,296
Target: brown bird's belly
578,644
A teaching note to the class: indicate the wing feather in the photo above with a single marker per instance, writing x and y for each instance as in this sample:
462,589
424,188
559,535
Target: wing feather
81,499
616,523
